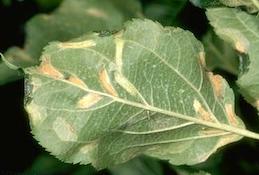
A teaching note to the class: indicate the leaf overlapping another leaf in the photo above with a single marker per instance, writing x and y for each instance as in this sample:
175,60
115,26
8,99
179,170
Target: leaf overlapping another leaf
105,100
242,31
72,19
251,5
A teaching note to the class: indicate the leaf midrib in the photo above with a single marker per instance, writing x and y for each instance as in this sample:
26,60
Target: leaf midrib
220,126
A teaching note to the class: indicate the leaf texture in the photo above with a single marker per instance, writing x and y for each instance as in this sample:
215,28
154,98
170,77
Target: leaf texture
242,31
251,5
105,100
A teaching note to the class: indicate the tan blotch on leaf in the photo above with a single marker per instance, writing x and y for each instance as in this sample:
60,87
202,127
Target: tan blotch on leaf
47,69
211,131
217,84
231,114
89,100
106,82
241,47
77,81
256,104
96,13
77,45
202,59
202,113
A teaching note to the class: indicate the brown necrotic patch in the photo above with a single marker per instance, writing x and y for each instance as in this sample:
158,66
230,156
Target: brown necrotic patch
88,100
201,112
77,81
48,69
106,82
231,115
217,84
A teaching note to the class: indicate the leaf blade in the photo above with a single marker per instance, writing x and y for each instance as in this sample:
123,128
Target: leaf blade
242,33
141,117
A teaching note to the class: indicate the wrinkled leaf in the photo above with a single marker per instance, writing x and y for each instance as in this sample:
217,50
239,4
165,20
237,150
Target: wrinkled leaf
242,31
72,19
106,100
251,5
219,54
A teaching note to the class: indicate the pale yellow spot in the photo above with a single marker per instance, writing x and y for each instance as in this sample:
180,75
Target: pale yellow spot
231,115
119,52
202,59
96,13
47,69
210,131
241,47
89,100
64,130
228,139
125,84
202,113
217,84
256,104
34,114
106,82
77,81
239,40
77,45
88,148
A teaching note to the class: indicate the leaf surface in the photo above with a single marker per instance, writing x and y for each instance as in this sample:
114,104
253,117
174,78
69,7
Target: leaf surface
251,5
106,100
242,31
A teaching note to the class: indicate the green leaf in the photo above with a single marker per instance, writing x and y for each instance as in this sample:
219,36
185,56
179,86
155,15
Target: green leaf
139,166
166,12
48,4
72,19
206,3
46,164
219,54
242,31
181,171
106,100
7,74
251,5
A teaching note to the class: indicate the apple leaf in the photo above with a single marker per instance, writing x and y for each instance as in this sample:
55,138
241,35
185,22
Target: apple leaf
242,31
251,5
107,99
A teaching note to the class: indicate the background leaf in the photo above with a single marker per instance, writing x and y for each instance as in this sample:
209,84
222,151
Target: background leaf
106,100
72,19
250,5
242,31
139,166
164,11
219,54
